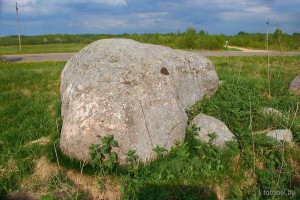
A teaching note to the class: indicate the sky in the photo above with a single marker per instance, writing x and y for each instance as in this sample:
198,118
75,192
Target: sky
227,17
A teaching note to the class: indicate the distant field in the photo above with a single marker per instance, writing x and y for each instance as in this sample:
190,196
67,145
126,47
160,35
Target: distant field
30,126
45,48
59,48
191,39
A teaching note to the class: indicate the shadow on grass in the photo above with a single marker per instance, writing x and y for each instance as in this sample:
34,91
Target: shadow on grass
13,59
175,192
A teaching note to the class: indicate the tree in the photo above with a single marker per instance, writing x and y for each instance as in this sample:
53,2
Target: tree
202,32
277,34
191,31
190,38
242,33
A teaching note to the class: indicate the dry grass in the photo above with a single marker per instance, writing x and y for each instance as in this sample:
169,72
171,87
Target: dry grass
10,167
91,186
38,182
41,141
221,192
43,169
26,92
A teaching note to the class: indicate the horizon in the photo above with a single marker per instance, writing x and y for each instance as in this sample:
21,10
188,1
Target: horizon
119,34
116,17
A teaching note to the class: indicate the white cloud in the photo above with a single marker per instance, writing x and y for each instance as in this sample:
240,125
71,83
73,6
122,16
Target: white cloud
106,2
113,16
152,15
247,13
240,6
92,23
260,9
115,2
29,6
47,7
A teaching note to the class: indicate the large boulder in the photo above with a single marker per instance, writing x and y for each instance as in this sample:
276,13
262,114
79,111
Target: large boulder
137,92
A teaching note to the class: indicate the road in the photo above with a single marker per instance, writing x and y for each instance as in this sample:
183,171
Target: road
37,57
67,56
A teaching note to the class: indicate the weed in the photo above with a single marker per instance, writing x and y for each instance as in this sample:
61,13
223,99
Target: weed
46,197
102,156
132,161
132,181
160,151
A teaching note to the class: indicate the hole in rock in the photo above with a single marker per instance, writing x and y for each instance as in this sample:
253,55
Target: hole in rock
164,71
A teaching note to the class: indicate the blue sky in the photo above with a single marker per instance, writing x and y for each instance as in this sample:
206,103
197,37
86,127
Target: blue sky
148,16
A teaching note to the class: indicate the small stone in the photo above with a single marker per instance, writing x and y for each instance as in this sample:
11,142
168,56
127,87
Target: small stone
281,135
295,85
272,112
208,126
221,82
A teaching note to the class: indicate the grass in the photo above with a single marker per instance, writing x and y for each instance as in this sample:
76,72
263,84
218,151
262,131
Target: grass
56,48
30,111
45,48
232,49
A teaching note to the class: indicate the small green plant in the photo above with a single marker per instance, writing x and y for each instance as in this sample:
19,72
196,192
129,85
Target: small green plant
132,161
212,137
102,155
132,182
160,151
46,197
4,62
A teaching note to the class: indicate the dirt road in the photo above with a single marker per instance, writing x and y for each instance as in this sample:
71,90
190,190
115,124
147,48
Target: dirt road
247,50
67,56
37,57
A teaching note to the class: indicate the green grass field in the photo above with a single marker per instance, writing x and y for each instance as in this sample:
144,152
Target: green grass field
45,48
30,127
56,48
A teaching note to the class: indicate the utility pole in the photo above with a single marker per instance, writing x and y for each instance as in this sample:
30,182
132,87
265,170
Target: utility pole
18,24
267,35
267,41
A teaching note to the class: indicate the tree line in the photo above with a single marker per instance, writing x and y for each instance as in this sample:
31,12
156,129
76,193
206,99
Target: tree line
190,39
277,41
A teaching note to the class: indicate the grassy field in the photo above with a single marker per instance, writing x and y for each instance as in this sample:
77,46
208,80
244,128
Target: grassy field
45,48
29,110
190,39
31,163
56,48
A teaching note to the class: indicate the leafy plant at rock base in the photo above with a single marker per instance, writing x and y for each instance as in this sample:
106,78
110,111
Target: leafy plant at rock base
160,151
132,161
132,181
102,155
212,136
